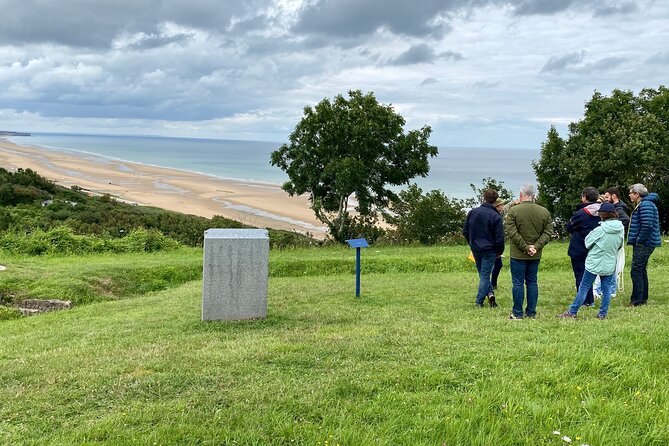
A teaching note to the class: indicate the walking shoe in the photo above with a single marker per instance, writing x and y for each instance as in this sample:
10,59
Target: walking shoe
491,300
589,305
478,305
631,304
566,315
513,317
601,316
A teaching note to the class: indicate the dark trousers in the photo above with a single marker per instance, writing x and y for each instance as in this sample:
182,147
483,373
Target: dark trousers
578,265
495,271
639,273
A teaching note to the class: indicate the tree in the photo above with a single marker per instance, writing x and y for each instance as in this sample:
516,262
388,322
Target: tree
426,218
349,148
488,183
621,140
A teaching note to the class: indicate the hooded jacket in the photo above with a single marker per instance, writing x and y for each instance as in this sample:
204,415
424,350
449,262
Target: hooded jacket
603,244
645,223
623,214
584,220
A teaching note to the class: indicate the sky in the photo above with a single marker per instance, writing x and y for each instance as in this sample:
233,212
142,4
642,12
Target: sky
481,73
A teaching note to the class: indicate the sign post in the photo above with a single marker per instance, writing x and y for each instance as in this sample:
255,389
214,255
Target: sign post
357,243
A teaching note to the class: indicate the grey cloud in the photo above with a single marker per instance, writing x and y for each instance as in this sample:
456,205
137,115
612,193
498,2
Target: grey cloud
156,41
599,8
558,63
536,7
421,53
603,64
484,85
429,81
96,24
659,59
348,18
609,10
451,55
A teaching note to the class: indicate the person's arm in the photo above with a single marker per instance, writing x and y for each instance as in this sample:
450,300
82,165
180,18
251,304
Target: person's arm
592,238
499,236
512,233
647,214
465,230
546,233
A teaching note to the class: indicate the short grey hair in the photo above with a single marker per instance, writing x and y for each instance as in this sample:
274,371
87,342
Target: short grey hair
527,190
639,189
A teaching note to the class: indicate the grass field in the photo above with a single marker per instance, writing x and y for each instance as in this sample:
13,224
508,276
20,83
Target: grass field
412,362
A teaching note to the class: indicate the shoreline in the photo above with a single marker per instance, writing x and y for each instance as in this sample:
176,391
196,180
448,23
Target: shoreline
255,203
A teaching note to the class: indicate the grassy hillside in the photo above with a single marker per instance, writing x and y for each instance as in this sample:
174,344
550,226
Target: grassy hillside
412,362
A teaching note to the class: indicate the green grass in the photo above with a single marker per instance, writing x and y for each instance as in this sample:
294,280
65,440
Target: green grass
410,363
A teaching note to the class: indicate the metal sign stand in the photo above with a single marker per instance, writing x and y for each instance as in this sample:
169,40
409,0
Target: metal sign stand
357,243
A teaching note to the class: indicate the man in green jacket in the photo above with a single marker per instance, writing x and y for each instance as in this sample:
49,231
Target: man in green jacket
528,229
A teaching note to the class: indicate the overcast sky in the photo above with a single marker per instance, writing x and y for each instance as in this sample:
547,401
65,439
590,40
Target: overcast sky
482,73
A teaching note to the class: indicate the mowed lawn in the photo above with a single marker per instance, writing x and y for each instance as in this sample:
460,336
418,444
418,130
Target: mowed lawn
412,362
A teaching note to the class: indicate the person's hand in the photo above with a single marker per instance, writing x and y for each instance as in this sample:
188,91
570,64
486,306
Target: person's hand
531,250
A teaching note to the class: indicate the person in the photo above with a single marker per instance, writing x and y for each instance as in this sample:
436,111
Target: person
528,228
612,195
582,221
499,205
644,236
484,231
603,244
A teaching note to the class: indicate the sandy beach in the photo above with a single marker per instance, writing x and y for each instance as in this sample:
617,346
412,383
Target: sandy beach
263,205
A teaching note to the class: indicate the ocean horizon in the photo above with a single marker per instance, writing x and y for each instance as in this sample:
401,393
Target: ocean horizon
451,171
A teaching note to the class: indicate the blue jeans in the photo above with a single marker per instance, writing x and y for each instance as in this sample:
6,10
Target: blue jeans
484,264
578,265
524,274
639,273
496,270
586,284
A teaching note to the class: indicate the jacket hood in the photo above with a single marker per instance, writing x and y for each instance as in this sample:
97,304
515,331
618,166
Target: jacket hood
652,197
612,226
592,208
622,204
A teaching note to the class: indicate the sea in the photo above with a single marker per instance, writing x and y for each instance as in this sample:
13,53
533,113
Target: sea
452,171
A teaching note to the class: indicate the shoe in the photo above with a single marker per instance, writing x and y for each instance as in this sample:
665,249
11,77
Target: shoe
491,301
530,317
601,316
566,315
513,317
613,295
589,305
479,305
598,296
631,304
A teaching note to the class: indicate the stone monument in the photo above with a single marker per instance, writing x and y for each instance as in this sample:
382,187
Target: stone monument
235,274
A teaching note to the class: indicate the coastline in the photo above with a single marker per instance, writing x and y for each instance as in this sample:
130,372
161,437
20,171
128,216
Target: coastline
259,204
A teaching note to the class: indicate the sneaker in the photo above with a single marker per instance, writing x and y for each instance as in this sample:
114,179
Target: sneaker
478,305
566,315
597,296
613,295
601,316
513,317
589,305
491,300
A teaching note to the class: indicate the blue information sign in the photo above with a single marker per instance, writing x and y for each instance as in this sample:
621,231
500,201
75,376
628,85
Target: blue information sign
357,243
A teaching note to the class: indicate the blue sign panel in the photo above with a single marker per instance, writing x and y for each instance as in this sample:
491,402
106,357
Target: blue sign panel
358,243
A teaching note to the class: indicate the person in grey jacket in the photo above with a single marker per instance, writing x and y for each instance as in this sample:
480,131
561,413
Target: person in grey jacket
644,236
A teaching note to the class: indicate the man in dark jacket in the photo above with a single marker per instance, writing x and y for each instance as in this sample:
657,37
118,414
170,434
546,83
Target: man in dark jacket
484,231
584,220
612,194
644,236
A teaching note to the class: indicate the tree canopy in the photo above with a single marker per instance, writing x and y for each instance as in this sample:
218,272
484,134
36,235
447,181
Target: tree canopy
622,139
351,147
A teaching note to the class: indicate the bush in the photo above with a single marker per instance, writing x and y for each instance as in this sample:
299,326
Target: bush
7,313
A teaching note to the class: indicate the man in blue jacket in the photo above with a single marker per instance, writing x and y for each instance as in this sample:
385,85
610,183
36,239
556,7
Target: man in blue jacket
644,236
484,231
584,220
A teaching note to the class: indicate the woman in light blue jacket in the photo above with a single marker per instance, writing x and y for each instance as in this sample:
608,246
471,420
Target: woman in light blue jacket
602,244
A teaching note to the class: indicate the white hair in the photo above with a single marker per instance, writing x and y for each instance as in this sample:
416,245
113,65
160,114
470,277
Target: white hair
527,190
639,189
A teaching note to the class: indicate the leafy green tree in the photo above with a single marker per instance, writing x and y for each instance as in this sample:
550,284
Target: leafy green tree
621,140
351,149
488,183
427,218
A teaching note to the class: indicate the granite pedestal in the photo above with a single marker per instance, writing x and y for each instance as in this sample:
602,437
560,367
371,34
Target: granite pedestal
235,274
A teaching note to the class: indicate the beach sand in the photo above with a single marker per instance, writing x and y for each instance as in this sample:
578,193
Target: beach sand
262,205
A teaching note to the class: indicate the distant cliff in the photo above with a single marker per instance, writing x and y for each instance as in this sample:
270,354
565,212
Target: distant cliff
4,133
